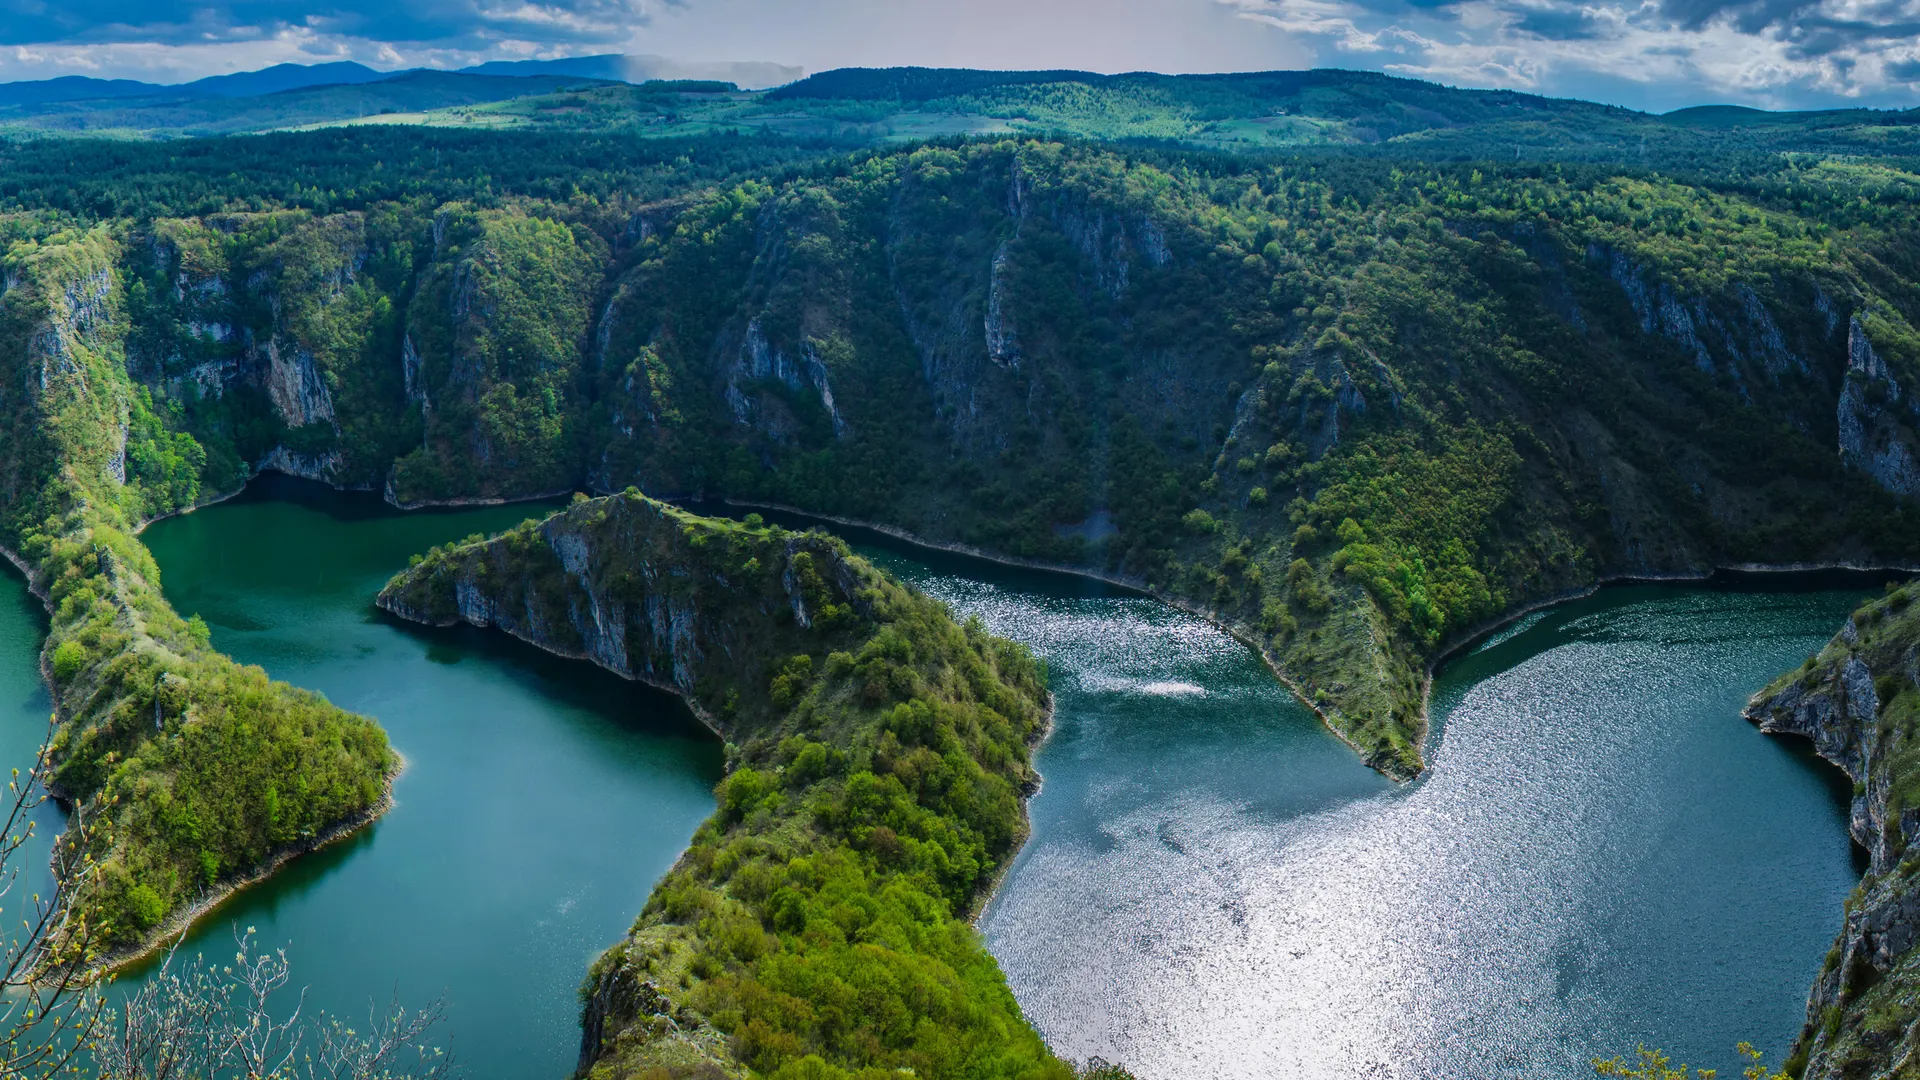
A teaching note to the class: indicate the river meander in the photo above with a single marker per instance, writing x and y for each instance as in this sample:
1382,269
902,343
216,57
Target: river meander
541,799
1604,854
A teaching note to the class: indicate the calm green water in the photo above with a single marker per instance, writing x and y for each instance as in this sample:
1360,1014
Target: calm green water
1604,854
541,799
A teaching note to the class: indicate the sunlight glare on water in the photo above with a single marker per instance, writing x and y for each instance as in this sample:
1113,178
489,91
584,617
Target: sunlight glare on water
1604,853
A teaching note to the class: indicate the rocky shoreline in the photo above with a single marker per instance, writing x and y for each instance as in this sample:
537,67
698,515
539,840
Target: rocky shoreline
1858,702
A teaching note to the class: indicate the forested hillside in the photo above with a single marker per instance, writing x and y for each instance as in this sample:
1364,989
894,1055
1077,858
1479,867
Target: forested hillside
1351,408
187,774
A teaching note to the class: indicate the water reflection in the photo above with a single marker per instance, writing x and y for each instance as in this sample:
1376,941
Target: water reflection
1604,853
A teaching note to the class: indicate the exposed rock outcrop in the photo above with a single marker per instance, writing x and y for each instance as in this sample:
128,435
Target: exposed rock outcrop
1874,436
760,362
1858,701
626,583
295,386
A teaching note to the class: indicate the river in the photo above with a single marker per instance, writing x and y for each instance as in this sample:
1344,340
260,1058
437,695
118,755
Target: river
1604,854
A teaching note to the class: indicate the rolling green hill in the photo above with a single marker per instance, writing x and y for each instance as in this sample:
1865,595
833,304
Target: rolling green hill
413,92
1344,111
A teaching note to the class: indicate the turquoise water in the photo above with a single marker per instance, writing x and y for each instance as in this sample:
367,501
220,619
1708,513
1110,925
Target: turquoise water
541,799
24,711
1605,853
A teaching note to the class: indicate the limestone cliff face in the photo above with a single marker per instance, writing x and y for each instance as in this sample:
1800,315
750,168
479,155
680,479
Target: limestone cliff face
1858,701
1876,435
1729,335
289,318
759,365
61,316
644,590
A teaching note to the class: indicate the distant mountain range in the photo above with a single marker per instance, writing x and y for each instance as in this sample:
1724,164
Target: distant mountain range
748,75
652,96
611,67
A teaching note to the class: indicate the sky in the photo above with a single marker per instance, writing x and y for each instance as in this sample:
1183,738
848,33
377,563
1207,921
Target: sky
1646,54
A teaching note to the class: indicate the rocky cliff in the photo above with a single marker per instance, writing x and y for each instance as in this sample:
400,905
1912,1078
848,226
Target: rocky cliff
692,605
877,768
1858,700
1351,420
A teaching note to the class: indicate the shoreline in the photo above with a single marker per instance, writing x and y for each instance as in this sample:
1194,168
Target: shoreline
34,585
1491,627
178,923
1134,585
978,910
182,919
461,503
185,510
1471,638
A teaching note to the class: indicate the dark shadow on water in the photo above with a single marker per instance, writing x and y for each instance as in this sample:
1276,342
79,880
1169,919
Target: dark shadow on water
1838,784
577,683
350,505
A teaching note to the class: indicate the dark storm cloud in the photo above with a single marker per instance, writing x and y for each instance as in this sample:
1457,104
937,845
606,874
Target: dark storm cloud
449,23
1807,24
1748,16
1817,35
1558,23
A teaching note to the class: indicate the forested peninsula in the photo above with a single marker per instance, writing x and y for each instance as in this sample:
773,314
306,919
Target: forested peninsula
877,757
186,773
1353,399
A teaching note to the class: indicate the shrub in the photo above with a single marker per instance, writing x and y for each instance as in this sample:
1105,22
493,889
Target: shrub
69,660
145,906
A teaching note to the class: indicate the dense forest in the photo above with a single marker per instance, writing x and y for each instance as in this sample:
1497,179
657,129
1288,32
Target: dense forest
1355,399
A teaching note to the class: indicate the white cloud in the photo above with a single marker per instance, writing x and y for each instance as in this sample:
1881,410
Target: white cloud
1825,51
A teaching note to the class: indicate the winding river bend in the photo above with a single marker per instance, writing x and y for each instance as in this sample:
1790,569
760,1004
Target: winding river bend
1604,854
540,802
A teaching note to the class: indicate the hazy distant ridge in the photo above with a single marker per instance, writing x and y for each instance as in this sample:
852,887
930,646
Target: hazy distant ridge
279,78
